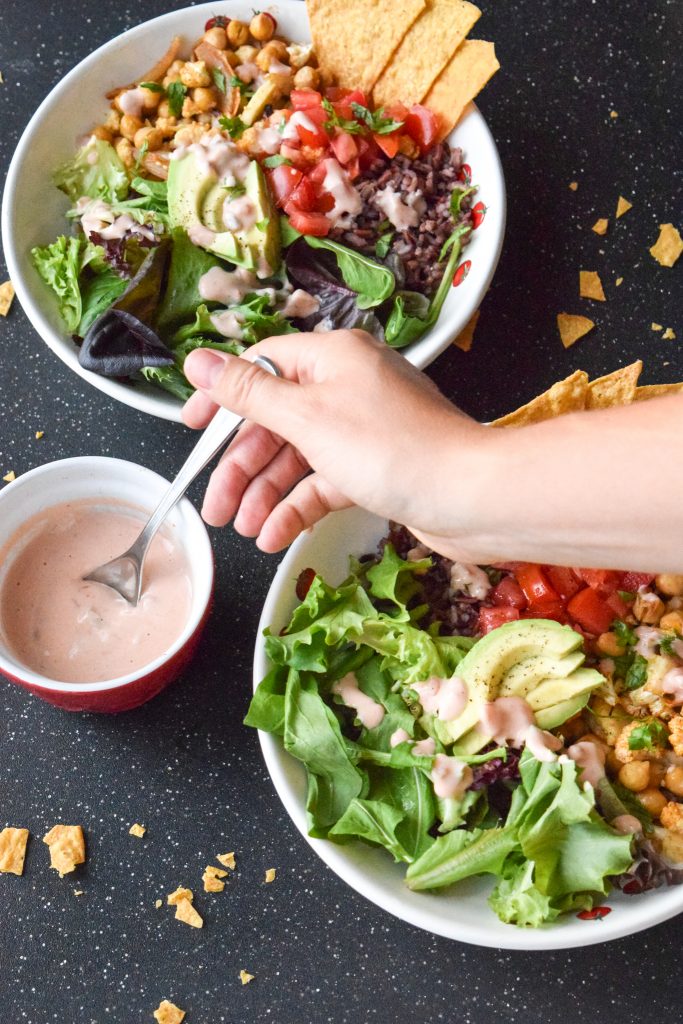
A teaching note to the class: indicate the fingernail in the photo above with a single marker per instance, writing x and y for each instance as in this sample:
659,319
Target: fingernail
203,367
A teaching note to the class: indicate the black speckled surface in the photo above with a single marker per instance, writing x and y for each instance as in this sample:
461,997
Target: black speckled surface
184,765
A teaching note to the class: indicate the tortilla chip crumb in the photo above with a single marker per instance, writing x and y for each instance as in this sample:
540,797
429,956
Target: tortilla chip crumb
572,327
600,226
78,892
270,875
668,246
10,477
13,850
655,327
67,847
212,879
619,281
6,297
137,830
168,1013
158,904
466,336
39,434
590,285
623,206
669,334
613,114
245,978
186,913
573,185
227,860
2,80
174,898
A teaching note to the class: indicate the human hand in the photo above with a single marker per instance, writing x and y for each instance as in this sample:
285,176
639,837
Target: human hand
373,429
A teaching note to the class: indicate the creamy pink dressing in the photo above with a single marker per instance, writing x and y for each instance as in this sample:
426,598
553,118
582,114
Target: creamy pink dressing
239,214
64,628
368,711
541,743
445,698
297,118
470,579
97,215
132,101
672,685
648,636
300,303
399,736
450,777
510,720
347,201
218,157
226,286
425,747
228,323
200,235
395,210
590,758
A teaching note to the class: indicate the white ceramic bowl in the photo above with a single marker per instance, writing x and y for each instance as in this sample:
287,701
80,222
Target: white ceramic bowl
93,477
461,912
33,209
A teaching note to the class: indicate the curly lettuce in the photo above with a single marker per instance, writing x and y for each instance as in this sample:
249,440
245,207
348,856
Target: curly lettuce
95,171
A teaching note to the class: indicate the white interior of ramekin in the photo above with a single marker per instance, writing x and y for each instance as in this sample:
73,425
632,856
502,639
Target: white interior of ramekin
106,481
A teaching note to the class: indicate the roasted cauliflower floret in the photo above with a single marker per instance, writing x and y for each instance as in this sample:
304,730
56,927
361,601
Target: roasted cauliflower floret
624,752
676,734
672,816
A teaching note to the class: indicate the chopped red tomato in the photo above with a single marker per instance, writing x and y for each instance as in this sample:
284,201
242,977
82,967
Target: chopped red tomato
318,173
508,592
535,586
618,606
324,202
309,223
422,126
491,618
344,148
283,180
563,580
343,105
305,99
396,111
302,197
633,581
591,611
315,135
605,581
388,144
367,151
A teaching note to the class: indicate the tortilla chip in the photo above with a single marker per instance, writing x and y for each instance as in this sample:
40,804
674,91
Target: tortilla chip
6,297
67,847
467,73
212,879
573,185
186,913
613,114
590,285
466,336
623,206
10,477
245,977
424,51
656,327
13,850
227,860
617,388
568,395
168,1013
181,893
600,226
355,42
137,830
158,904
646,391
270,875
39,434
668,246
619,281
669,334
572,327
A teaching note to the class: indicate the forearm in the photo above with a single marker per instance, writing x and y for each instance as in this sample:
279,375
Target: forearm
598,489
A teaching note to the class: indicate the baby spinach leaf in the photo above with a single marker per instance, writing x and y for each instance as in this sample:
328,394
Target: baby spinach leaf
412,793
374,821
372,282
319,274
181,297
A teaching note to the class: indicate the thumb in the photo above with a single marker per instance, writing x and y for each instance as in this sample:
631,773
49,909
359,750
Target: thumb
241,386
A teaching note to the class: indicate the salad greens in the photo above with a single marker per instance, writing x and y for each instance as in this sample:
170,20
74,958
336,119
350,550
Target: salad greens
95,171
550,850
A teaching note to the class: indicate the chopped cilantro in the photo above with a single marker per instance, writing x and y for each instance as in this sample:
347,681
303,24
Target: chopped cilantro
625,635
176,93
261,225
637,673
647,736
375,120
383,244
627,595
152,86
666,643
335,121
234,126
219,79
457,196
276,161
243,87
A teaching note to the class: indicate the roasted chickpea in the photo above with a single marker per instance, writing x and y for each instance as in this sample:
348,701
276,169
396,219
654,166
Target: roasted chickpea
124,148
101,132
204,99
113,121
246,54
669,584
307,78
657,773
653,800
150,99
217,37
635,775
152,136
190,108
238,33
673,779
648,608
608,644
672,620
168,126
262,27
129,126
195,74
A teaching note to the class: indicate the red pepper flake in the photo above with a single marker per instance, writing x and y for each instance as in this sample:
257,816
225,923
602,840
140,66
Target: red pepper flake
478,214
303,583
596,914
461,273
220,21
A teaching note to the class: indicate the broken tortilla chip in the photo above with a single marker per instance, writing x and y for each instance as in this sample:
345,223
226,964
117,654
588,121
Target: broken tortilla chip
646,391
6,297
169,1013
424,51
137,830
10,477
669,334
568,395
181,893
212,879
617,388
463,77
623,206
67,847
186,913
466,336
355,42
245,977
655,327
668,246
13,850
573,185
227,860
600,226
619,281
590,285
270,875
572,327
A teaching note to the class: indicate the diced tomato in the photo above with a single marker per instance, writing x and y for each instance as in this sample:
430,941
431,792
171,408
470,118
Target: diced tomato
591,611
508,592
324,202
344,148
283,180
633,581
305,99
619,607
605,581
534,584
303,197
396,111
563,580
309,223
491,618
388,144
367,151
343,106
422,126
318,174
315,136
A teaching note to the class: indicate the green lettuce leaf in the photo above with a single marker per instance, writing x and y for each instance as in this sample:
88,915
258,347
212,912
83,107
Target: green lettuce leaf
95,171
409,790
373,282
59,265
376,822
98,291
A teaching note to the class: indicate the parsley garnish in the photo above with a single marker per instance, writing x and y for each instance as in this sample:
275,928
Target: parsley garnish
648,736
375,120
152,86
234,126
219,79
383,244
335,121
176,93
667,642
624,634
243,87
637,673
276,161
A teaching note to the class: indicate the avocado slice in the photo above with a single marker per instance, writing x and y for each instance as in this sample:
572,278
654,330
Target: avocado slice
526,675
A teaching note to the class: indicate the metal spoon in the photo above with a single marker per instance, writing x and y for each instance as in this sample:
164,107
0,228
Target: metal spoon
124,574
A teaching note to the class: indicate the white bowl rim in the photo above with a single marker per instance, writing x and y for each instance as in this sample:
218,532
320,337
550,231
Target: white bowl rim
185,506
420,353
639,915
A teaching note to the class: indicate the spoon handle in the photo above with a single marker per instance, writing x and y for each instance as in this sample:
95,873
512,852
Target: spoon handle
219,432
